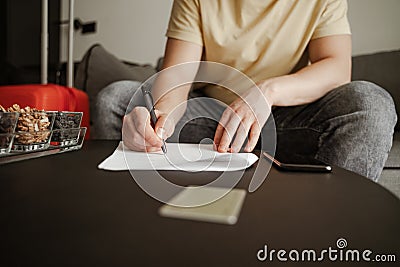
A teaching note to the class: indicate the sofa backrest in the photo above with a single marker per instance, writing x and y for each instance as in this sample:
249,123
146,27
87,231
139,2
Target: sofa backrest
382,69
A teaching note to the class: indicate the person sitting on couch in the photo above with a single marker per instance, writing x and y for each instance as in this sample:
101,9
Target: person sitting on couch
350,124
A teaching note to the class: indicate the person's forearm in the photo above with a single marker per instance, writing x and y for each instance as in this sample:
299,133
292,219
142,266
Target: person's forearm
308,84
330,67
171,88
174,102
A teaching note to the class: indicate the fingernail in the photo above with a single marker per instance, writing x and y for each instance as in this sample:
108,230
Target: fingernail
153,149
160,132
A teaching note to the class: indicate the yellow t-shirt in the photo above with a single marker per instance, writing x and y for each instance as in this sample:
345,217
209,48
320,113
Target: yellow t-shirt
261,38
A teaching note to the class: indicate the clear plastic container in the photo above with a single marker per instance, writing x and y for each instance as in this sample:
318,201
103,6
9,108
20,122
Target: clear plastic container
31,141
33,131
65,137
6,140
66,128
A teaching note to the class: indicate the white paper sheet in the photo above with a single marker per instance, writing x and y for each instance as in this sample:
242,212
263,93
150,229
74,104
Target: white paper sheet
184,157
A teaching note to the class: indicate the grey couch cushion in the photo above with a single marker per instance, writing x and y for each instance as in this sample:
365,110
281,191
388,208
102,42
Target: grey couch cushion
393,160
100,68
382,69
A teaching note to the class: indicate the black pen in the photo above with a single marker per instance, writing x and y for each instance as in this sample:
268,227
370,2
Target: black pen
148,100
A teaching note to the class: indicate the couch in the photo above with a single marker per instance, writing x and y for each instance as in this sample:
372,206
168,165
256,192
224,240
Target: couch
99,68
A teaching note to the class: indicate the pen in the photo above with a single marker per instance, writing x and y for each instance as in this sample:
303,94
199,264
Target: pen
148,99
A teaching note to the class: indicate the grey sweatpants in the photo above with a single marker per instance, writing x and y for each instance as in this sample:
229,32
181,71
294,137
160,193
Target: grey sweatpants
350,127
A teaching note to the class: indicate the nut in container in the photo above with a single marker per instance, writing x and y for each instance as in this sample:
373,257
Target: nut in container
33,131
66,129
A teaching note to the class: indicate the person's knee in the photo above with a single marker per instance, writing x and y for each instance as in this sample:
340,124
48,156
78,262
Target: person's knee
361,128
114,95
369,99
108,93
103,99
109,107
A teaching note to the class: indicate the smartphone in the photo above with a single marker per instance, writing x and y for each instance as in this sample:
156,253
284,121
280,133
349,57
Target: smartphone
293,163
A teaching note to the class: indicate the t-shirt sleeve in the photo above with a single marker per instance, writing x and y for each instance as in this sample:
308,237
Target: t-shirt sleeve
185,21
333,20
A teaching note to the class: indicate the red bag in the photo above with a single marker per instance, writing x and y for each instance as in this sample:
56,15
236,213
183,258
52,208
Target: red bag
50,97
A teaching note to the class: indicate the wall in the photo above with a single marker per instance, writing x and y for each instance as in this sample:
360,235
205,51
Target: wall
134,29
375,25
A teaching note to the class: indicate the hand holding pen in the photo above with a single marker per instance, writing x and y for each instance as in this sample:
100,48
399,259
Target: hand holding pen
141,132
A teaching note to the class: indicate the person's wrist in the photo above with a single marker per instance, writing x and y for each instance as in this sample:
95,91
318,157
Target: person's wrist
268,88
171,114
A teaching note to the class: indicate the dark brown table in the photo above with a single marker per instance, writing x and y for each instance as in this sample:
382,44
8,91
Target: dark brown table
61,210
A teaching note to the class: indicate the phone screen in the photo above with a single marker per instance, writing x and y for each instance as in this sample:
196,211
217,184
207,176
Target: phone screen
291,158
296,162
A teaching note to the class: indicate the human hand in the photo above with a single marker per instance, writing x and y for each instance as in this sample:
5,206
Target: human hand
244,118
139,135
